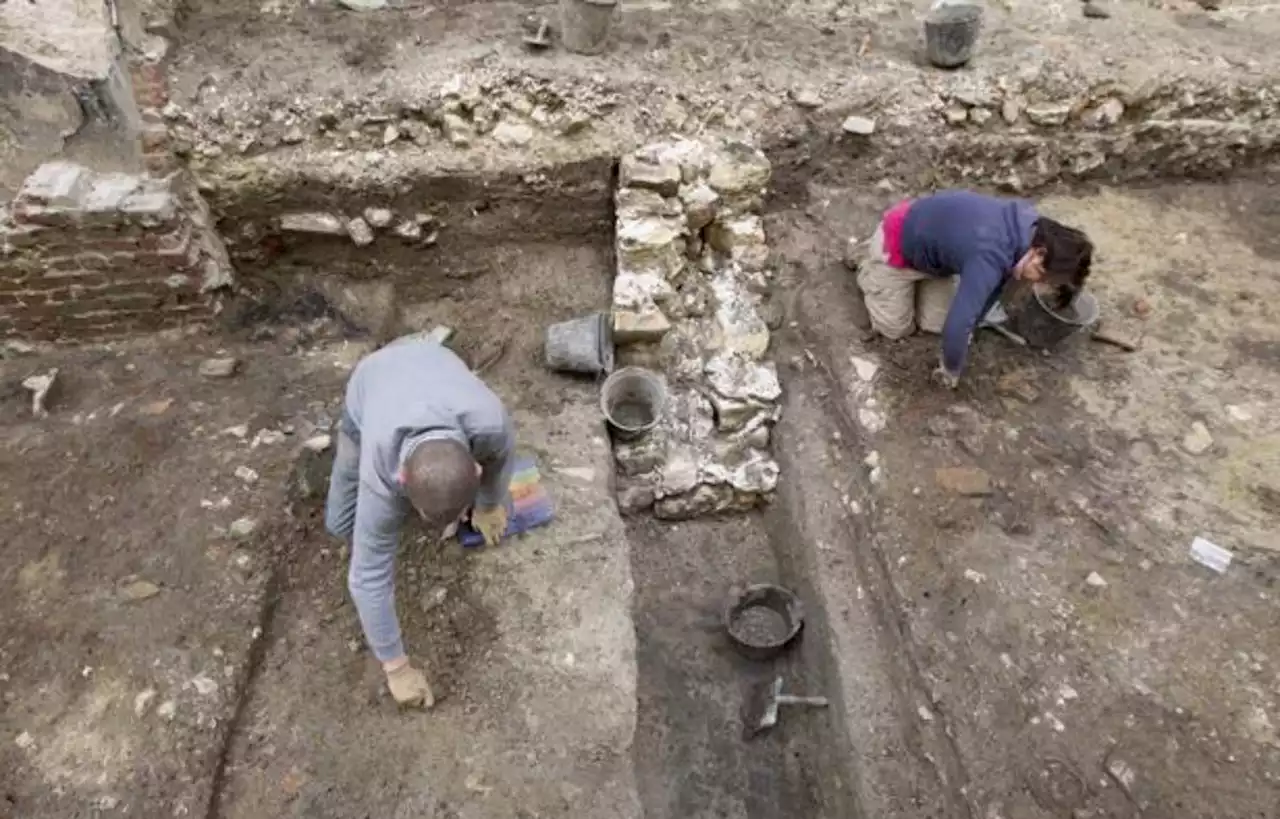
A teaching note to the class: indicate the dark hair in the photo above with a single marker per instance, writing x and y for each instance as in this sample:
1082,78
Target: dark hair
1068,253
441,481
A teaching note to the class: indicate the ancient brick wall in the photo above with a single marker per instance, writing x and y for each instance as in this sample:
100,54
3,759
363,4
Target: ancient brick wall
89,256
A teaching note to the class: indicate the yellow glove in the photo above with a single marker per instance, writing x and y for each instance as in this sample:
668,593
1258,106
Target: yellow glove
409,687
490,522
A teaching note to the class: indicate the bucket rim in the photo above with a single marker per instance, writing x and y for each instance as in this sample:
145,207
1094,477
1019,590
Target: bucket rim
644,374
946,14
1082,297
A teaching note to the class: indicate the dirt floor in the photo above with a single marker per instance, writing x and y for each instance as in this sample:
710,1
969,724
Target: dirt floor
1075,658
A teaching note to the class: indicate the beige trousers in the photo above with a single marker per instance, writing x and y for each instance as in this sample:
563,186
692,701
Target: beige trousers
894,301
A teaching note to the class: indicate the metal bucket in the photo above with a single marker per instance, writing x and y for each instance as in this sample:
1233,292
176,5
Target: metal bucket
950,33
632,400
581,345
1043,326
585,24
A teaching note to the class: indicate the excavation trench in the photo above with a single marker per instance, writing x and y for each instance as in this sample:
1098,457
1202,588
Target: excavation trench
520,641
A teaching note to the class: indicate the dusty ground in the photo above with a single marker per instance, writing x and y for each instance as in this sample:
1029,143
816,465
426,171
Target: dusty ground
1072,655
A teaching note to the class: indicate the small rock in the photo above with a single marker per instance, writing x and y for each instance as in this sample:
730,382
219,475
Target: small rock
807,98
964,480
167,710
219,367
513,133
142,702
247,474
1238,413
360,232
1096,580
1011,109
391,134
266,437
139,590
106,802
1049,115
1198,440
410,231
866,368
925,714
204,686
956,114
378,217
24,741
1104,115
325,223
1095,11
318,443
859,126
41,386
1141,307
434,598
243,527
979,115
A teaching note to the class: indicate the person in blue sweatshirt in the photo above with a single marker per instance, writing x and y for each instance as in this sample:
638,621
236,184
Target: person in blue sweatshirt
419,432
941,261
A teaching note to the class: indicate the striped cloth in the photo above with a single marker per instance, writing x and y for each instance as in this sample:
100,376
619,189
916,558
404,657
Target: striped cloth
528,505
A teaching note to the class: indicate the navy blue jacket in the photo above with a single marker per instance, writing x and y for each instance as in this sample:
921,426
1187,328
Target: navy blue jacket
976,237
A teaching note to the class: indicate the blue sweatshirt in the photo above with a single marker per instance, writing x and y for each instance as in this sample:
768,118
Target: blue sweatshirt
978,238
406,393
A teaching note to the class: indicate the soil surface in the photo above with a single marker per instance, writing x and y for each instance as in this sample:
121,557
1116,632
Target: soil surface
1034,527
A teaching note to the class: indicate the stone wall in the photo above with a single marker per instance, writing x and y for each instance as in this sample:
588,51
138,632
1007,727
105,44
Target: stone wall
693,268
88,256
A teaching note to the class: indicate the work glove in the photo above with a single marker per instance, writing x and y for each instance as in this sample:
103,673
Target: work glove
490,522
409,687
943,377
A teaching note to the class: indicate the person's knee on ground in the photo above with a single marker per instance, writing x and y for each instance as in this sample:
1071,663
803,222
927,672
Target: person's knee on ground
441,480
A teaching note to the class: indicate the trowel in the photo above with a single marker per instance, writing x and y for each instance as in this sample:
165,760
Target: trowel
760,710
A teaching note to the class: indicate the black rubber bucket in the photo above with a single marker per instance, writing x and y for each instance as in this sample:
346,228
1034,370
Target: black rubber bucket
951,32
1044,326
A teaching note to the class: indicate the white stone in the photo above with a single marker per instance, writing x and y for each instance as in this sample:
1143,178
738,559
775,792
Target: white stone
738,377
379,217
738,167
1105,114
360,232
243,527
631,204
142,702
204,686
247,474
324,223
739,326
1049,114
317,443
1238,413
742,239
167,710
639,324
24,741
1198,440
859,126
678,474
807,98
513,133
649,171
1096,580
866,368
758,474
700,202
871,420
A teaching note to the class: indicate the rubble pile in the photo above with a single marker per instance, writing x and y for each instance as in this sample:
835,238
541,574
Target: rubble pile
693,266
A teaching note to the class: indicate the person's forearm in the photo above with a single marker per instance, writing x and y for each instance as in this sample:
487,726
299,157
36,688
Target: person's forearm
497,462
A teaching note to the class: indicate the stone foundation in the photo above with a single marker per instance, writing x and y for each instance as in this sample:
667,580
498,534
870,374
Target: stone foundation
692,271
88,256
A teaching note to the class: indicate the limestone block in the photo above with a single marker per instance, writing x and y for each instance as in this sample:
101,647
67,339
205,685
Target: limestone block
705,499
650,171
650,243
642,457
637,325
679,473
739,327
741,239
738,377
634,204
325,223
739,168
700,203
57,185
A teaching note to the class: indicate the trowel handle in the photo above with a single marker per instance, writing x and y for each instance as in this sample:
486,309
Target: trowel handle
814,702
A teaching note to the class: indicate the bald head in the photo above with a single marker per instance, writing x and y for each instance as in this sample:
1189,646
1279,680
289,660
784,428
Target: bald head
441,479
